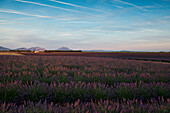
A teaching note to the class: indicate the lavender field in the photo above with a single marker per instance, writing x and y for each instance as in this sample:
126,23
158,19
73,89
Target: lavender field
83,84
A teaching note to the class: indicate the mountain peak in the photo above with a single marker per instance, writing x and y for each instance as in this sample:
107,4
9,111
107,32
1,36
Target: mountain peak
64,48
36,49
3,48
32,49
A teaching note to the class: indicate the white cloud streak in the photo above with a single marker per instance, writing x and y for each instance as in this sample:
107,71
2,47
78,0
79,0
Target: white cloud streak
156,4
40,4
127,3
26,14
39,16
116,6
74,5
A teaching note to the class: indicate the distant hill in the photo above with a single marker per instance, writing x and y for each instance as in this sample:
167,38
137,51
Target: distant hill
32,49
23,48
4,49
64,48
36,49
125,51
98,51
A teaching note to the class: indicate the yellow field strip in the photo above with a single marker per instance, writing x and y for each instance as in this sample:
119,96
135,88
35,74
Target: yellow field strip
9,53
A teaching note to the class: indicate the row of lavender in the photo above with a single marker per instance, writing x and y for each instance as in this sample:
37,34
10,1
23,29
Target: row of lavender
106,106
70,92
26,83
155,56
64,69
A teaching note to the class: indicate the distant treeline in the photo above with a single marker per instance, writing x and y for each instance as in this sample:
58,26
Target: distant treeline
4,50
62,51
20,50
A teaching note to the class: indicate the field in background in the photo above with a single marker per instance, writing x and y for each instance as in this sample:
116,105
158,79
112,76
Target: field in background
145,56
10,53
87,82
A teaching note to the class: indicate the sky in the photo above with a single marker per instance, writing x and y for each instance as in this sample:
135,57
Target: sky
136,25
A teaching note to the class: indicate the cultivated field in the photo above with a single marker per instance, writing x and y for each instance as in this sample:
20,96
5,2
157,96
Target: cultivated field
77,83
9,53
146,56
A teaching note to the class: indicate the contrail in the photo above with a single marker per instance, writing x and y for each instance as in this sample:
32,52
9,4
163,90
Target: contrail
76,5
51,6
156,4
16,12
39,16
115,6
130,4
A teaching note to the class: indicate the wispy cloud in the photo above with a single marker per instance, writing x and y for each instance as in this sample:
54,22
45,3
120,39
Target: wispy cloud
166,17
40,4
111,4
127,3
14,21
39,16
69,34
26,14
9,22
116,6
74,5
156,4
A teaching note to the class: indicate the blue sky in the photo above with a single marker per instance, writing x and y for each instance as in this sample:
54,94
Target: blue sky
142,25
